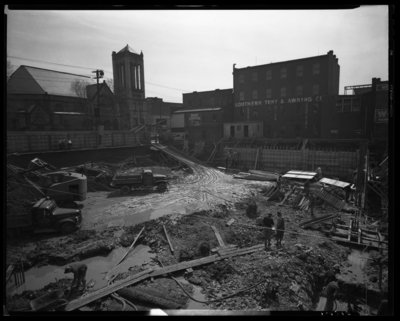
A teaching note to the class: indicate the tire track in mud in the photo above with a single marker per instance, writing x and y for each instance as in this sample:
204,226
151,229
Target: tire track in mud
204,188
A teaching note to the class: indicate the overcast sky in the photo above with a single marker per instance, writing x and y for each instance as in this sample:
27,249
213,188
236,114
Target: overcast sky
186,51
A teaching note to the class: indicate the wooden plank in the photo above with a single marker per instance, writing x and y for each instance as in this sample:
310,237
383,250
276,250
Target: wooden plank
169,242
230,222
240,250
359,236
351,221
78,303
219,248
260,247
219,238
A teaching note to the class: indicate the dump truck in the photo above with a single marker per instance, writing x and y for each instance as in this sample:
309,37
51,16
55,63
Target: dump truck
144,179
45,216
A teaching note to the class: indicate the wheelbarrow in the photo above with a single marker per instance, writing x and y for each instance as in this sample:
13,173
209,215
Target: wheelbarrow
49,301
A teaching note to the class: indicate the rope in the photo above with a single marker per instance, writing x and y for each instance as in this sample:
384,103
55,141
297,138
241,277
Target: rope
117,297
120,298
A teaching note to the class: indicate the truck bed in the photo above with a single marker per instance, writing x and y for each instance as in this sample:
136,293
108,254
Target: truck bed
18,220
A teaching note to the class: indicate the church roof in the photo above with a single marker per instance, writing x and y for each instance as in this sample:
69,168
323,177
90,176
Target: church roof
127,48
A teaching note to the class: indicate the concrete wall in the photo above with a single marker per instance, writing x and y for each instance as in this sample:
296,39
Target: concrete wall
22,142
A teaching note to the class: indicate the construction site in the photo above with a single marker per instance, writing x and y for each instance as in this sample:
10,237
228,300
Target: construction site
180,228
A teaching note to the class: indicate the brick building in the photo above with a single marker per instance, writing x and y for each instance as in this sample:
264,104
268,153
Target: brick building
288,97
205,112
363,114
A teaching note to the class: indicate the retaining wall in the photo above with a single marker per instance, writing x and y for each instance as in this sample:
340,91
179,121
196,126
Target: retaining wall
22,142
333,163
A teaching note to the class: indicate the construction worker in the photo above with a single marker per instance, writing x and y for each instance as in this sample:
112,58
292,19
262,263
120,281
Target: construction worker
312,203
306,188
79,271
268,223
227,157
328,296
234,159
69,144
280,229
330,275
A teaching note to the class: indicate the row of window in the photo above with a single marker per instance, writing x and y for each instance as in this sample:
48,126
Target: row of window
283,73
335,133
283,92
298,110
348,105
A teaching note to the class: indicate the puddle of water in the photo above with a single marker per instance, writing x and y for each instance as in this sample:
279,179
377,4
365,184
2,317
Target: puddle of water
193,305
358,259
38,277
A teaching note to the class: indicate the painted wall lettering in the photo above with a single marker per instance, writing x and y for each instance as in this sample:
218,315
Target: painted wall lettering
281,101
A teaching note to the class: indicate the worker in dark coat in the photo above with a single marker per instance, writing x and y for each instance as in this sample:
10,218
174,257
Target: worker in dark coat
269,224
306,188
330,275
79,271
312,203
280,229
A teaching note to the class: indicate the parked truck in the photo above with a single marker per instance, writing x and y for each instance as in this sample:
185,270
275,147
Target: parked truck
45,216
144,179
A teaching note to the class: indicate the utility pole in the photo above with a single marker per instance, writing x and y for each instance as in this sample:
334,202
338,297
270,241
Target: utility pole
99,74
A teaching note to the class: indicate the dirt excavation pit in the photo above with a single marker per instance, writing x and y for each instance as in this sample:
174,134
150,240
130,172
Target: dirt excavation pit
286,279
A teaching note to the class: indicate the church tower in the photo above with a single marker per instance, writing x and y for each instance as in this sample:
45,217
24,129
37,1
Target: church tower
129,89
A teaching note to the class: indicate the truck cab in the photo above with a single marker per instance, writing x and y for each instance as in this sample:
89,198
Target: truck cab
45,216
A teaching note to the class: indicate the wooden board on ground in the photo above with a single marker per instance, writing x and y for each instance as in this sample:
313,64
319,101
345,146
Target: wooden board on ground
219,238
230,222
169,242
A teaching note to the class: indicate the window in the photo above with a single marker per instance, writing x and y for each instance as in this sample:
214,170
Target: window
347,105
299,71
269,74
283,92
241,96
298,110
334,133
268,109
355,105
299,90
254,76
238,128
315,89
316,69
282,110
339,106
255,112
212,101
241,79
283,72
283,130
268,93
254,94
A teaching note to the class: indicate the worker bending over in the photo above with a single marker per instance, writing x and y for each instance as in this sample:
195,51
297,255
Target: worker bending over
79,271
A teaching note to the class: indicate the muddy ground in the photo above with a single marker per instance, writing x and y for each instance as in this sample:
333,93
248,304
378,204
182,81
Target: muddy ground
198,197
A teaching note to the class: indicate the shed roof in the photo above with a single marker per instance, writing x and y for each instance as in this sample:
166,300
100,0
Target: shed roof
334,182
197,110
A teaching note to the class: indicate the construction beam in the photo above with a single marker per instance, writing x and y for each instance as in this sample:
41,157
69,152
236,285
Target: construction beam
219,238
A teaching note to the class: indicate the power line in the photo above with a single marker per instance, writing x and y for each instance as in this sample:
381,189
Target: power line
52,63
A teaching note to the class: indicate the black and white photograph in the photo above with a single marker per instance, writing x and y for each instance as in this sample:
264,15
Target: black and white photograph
198,160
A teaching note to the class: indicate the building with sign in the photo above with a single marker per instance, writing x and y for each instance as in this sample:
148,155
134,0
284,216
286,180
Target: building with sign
288,96
362,114
204,114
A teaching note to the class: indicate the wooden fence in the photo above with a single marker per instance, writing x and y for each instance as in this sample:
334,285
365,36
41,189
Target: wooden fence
333,163
22,142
